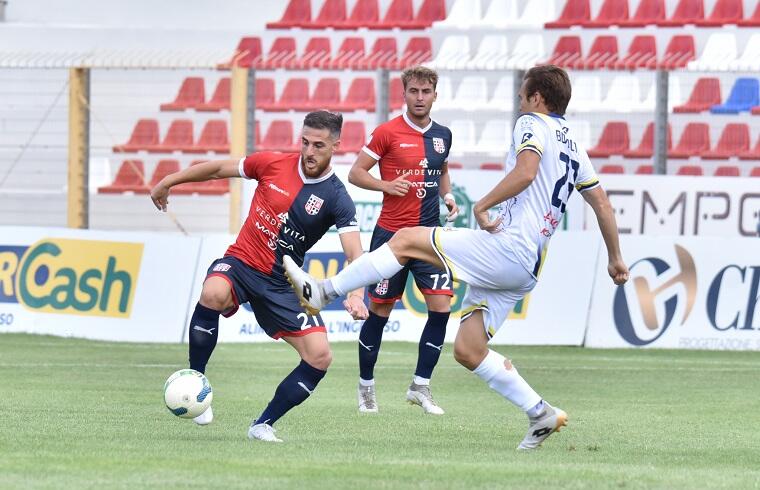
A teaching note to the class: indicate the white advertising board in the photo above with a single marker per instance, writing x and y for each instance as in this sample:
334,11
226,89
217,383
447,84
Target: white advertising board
683,292
96,285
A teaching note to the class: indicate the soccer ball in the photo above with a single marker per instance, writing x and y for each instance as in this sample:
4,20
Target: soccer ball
187,393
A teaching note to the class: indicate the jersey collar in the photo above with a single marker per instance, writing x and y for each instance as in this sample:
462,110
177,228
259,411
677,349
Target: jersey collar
414,126
307,180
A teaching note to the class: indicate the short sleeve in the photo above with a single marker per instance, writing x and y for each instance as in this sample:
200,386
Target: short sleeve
252,166
529,134
378,143
587,178
448,146
345,213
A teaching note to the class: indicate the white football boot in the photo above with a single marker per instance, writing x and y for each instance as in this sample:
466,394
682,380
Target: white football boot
420,395
263,432
205,418
551,420
309,290
367,399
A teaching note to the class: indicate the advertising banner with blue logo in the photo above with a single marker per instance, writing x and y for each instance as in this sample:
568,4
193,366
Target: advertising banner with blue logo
96,285
684,293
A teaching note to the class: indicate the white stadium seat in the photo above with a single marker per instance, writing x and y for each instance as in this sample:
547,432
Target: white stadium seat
528,50
719,53
454,53
623,95
492,53
674,94
445,91
750,59
503,95
462,15
472,93
494,138
500,14
464,136
536,13
586,96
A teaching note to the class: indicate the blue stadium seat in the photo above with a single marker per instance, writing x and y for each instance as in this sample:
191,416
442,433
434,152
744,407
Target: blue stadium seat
744,95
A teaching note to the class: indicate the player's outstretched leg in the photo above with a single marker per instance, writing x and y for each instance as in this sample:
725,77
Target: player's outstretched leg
429,351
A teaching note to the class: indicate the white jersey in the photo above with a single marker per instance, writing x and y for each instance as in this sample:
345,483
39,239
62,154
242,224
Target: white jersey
531,217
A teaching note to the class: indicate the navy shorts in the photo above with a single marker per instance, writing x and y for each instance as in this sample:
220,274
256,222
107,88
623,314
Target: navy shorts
272,300
429,279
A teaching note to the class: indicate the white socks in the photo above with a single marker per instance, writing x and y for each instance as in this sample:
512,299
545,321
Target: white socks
507,382
369,268
366,382
421,381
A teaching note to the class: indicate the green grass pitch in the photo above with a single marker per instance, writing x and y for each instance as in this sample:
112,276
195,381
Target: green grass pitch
82,414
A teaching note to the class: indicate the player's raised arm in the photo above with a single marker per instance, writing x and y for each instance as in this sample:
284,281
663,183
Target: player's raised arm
600,203
216,169
354,302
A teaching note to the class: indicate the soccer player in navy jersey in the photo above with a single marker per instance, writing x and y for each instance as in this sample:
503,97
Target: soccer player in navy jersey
412,152
298,198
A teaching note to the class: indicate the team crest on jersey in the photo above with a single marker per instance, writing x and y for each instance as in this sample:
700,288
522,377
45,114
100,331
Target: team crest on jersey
382,287
313,205
438,145
221,267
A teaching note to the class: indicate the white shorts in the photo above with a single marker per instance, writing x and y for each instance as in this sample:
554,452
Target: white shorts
486,263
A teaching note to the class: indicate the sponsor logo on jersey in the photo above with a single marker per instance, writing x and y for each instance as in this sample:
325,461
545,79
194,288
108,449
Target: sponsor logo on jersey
421,192
221,267
407,145
313,205
526,137
277,189
423,163
438,145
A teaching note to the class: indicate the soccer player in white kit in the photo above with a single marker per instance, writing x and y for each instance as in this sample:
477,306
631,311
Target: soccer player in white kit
499,262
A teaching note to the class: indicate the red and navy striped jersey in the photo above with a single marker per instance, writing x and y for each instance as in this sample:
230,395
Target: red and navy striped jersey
289,212
403,148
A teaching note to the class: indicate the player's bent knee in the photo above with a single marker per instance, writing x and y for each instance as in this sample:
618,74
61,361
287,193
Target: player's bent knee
320,359
216,296
468,357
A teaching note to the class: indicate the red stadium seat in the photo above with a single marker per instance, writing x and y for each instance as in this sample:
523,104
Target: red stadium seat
613,141
724,12
144,136
705,94
751,154
755,172
326,95
644,170
129,178
191,94
694,141
297,14
316,54
220,100
734,140
399,12
282,54
754,20
430,11
603,53
727,171
690,170
350,54
365,13
247,54
575,12
383,55
612,12
213,138
210,187
295,96
332,13
679,52
649,12
491,166
567,52
642,53
612,169
454,165
360,96
395,94
178,138
164,168
646,146
265,94
279,137
417,51
686,12
352,137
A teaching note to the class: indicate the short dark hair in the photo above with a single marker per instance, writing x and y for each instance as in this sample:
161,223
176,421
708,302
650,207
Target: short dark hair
420,73
325,120
552,83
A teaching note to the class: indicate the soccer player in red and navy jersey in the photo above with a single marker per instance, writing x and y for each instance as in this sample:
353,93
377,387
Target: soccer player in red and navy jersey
298,198
412,151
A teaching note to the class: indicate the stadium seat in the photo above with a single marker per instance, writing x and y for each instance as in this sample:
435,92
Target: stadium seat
492,53
213,138
220,100
679,52
623,94
297,14
752,153
686,12
163,168
396,93
646,145
649,12
644,170
500,14
491,166
144,135
418,50
191,94
464,141
750,58
718,54
295,96
587,93
734,140
332,13
352,137
472,94
582,132
430,11
744,95
527,51
454,52
695,140
129,178
535,14
265,94
350,54
446,94
689,170
209,187
399,12
364,13
724,12
247,54
326,96
317,54
603,53
503,95
455,165
384,54
642,53
612,13
178,137
494,137
755,172
613,141
705,94
282,54
727,171
611,169
360,96
753,20
575,12
462,15
279,137
567,53
674,94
